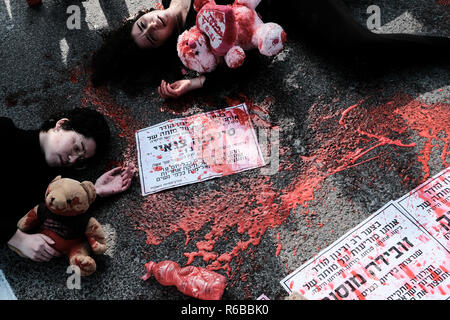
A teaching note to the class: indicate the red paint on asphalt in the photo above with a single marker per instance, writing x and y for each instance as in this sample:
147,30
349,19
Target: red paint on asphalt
253,204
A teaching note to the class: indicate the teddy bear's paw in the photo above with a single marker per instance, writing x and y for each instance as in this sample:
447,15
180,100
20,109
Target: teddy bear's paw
86,264
271,39
97,247
235,57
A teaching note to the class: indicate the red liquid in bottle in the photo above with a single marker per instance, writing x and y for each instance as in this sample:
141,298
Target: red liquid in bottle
192,281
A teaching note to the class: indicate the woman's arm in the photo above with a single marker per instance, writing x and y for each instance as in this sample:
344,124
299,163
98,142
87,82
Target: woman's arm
220,77
181,87
114,181
37,246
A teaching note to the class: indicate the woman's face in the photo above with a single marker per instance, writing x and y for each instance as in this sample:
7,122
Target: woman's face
154,28
67,148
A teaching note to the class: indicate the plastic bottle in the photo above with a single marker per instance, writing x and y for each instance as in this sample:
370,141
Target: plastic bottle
192,281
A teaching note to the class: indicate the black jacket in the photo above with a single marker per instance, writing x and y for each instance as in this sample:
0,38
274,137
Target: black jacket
25,175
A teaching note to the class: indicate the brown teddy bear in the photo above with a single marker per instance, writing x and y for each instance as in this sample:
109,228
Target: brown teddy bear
63,218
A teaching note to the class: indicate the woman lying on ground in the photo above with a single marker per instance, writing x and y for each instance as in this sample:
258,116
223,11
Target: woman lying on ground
146,43
32,158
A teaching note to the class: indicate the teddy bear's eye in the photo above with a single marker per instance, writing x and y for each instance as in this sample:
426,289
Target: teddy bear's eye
196,53
69,201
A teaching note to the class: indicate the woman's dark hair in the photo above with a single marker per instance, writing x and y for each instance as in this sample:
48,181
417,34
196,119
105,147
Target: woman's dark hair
87,122
121,61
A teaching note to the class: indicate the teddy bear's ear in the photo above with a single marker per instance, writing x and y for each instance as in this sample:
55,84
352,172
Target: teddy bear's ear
56,179
90,190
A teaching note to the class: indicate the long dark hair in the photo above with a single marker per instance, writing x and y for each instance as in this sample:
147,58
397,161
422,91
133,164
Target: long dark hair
122,62
90,123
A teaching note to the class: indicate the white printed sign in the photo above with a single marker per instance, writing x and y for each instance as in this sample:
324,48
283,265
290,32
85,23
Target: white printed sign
6,292
197,148
429,205
387,256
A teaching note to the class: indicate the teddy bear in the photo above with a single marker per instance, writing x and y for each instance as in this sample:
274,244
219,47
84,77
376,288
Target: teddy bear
63,217
224,33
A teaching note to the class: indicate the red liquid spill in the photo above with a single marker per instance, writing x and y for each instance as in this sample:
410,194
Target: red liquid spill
121,117
430,121
279,245
253,212
408,272
252,205
443,2
159,6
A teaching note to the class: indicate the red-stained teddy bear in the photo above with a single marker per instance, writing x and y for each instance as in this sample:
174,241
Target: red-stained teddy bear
224,32
63,218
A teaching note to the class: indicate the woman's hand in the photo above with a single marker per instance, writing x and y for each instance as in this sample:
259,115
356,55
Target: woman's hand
174,90
37,246
180,87
114,181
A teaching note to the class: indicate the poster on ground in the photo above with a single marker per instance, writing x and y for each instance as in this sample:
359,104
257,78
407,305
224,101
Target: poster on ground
197,148
429,206
399,252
